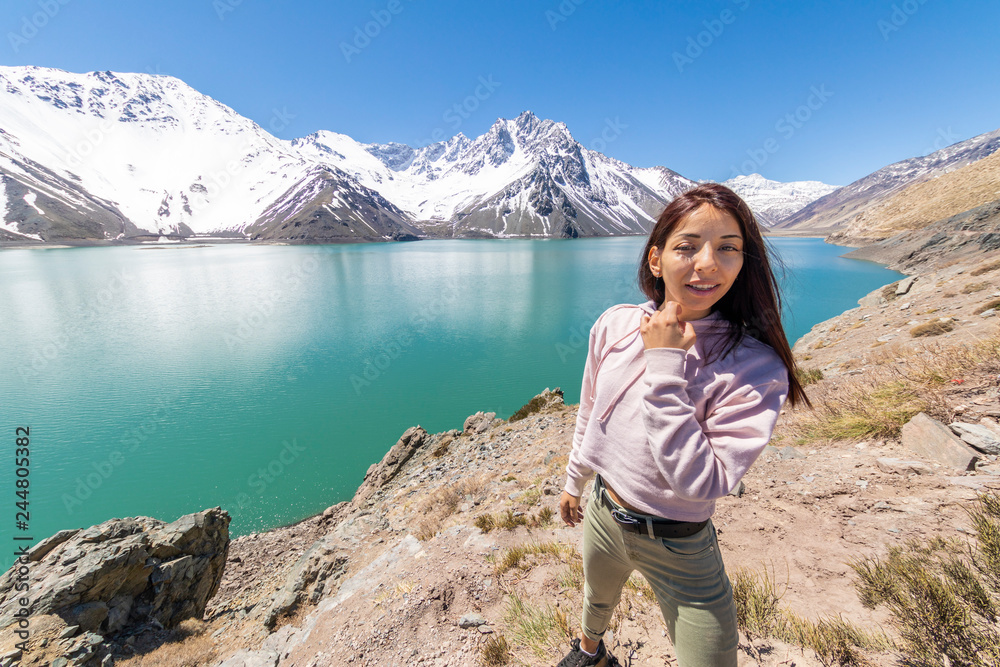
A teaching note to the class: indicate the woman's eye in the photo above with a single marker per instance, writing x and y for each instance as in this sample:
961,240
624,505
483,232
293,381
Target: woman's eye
685,248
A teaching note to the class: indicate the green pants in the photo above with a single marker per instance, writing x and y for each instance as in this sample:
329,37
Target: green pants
686,573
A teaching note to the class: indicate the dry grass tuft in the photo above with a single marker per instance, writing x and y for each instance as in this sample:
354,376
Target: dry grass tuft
889,291
896,386
985,268
506,520
539,629
974,287
443,502
834,640
518,557
935,328
188,645
495,652
995,303
809,376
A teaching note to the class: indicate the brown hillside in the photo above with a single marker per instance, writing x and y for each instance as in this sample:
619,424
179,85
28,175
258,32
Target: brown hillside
920,204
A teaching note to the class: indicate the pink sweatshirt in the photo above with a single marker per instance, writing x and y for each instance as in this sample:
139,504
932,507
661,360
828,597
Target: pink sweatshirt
669,433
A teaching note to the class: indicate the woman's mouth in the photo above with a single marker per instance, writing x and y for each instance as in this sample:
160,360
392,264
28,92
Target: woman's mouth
702,289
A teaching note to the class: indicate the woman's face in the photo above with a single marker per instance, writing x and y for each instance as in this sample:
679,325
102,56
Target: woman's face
699,261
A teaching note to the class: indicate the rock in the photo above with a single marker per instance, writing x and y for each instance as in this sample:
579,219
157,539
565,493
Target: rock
119,608
471,621
738,489
88,616
126,572
247,658
978,436
972,482
485,630
59,662
479,422
933,440
991,425
904,285
901,467
69,632
788,452
38,552
307,580
92,639
10,656
334,510
380,474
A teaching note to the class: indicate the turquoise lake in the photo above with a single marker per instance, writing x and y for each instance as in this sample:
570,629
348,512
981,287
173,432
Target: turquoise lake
161,380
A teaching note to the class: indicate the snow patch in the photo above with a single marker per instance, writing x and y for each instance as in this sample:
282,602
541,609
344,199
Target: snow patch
29,199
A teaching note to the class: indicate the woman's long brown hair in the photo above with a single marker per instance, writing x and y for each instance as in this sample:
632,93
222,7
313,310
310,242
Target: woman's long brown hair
753,303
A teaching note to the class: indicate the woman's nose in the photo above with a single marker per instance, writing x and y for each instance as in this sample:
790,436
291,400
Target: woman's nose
704,260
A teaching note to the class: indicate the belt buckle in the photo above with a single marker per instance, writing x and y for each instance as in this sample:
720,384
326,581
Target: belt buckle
623,519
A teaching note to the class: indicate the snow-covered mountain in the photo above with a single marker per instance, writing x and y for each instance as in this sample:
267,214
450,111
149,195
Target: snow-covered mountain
773,201
114,156
524,177
124,157
837,209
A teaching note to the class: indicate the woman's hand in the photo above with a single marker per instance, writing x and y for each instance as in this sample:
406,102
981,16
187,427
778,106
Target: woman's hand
666,328
569,509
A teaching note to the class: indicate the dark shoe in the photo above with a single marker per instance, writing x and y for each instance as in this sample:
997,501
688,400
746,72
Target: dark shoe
577,658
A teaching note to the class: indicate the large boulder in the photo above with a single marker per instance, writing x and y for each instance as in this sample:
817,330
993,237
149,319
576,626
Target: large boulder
124,572
933,440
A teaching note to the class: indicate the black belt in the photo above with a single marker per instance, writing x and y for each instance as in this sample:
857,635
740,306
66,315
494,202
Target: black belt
645,524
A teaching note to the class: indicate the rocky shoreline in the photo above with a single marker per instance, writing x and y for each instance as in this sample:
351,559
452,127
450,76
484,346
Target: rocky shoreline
451,541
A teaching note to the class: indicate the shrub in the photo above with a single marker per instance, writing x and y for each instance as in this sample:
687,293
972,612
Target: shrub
532,406
943,596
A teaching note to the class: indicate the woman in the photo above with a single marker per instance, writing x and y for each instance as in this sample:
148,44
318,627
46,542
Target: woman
680,395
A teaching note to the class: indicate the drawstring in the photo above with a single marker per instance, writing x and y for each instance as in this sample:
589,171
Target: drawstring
605,356
607,411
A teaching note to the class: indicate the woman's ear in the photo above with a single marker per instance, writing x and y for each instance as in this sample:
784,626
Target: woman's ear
654,261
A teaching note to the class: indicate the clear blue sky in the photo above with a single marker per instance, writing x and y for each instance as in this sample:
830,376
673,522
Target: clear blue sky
896,78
